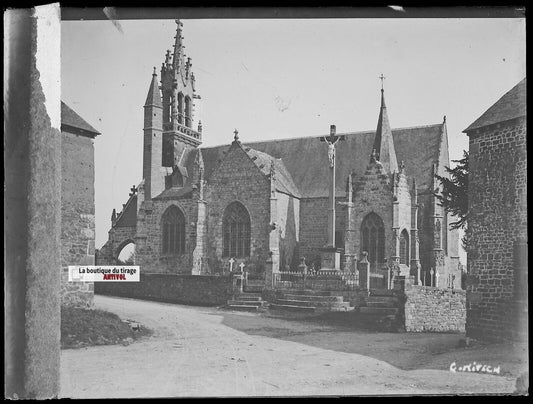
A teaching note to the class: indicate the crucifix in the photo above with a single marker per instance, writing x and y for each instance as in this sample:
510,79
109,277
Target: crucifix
330,255
331,141
382,77
231,262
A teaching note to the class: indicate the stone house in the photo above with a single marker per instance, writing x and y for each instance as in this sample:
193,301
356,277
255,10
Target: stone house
497,255
265,203
77,204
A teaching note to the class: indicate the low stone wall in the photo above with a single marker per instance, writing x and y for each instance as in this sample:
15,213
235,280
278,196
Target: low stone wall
76,294
198,290
431,309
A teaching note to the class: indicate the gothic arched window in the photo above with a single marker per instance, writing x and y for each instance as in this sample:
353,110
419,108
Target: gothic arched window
187,112
173,227
236,231
404,248
373,238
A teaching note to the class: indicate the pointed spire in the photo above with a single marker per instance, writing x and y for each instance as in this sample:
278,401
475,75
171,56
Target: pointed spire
383,143
153,97
178,47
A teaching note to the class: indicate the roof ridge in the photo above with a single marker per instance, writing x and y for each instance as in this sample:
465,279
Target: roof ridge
318,136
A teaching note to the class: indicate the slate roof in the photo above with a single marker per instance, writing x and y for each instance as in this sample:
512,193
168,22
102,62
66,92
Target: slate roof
306,162
512,105
175,192
128,216
72,122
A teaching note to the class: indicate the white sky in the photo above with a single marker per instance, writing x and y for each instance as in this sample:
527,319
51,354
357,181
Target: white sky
283,78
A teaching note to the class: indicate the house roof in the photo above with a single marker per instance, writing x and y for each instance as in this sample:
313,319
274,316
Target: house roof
71,121
512,105
306,162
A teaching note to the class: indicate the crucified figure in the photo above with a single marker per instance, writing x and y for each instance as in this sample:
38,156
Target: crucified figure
331,149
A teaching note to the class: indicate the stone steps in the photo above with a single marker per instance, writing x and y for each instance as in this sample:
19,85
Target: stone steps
310,292
248,298
256,303
246,302
313,303
312,298
242,307
291,307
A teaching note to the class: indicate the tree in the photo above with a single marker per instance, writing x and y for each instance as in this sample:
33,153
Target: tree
454,195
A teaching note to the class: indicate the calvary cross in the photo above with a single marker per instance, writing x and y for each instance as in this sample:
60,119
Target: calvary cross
331,140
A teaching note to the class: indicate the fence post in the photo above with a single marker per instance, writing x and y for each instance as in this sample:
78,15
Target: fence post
364,265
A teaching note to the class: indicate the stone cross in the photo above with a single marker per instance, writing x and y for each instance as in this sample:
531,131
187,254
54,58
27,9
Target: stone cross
241,265
437,275
231,262
133,189
331,141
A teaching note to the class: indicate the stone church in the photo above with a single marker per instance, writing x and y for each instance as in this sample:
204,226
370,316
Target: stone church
265,204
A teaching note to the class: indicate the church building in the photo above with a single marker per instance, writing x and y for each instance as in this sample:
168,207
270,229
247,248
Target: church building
265,204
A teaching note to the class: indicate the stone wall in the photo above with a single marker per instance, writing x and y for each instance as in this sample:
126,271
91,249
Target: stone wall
498,205
434,309
149,252
77,215
373,193
237,178
199,290
77,294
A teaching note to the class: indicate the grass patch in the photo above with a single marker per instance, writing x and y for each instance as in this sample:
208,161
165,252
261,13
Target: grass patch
84,327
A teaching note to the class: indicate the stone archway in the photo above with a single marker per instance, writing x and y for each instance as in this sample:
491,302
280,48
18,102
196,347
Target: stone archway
125,253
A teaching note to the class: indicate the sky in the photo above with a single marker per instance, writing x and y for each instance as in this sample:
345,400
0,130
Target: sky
284,78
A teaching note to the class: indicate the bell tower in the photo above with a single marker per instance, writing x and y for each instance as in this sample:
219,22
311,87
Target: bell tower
178,93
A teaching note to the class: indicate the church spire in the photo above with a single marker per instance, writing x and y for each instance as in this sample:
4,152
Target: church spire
178,48
153,97
383,142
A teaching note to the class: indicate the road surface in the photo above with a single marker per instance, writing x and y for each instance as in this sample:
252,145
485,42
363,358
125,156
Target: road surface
192,353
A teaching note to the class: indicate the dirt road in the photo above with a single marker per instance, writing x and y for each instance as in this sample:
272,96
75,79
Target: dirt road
195,352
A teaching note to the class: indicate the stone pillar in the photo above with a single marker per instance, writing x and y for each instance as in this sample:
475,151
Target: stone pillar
32,220
415,242
199,251
364,271
272,264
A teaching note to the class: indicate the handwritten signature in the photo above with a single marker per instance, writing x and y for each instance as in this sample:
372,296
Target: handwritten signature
475,367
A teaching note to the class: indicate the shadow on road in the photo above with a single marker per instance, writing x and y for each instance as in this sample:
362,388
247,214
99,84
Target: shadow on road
407,351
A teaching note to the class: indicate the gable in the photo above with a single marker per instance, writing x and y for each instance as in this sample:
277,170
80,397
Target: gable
128,216
72,122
